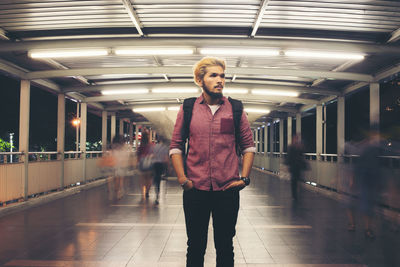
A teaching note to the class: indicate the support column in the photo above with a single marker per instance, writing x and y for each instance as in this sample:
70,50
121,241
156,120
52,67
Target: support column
104,130
137,137
318,136
257,139
281,137
113,126
83,138
271,137
121,127
130,134
266,139
374,103
289,130
340,128
24,109
61,136
298,125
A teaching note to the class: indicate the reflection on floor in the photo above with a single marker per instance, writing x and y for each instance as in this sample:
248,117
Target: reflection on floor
87,229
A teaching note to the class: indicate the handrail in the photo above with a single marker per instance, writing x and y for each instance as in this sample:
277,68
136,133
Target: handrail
11,153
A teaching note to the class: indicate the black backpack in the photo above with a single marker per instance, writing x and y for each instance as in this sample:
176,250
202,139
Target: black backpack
237,110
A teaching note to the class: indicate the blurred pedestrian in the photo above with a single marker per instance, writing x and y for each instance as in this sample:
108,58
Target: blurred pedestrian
160,164
118,162
145,158
367,173
296,163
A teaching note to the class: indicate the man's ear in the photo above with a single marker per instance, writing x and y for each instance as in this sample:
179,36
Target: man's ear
199,82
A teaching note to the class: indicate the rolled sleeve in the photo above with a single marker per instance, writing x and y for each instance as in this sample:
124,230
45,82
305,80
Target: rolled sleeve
246,136
176,141
174,151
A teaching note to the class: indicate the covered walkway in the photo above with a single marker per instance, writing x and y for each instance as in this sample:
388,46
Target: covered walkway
86,229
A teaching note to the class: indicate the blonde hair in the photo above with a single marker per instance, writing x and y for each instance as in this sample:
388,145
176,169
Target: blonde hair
199,69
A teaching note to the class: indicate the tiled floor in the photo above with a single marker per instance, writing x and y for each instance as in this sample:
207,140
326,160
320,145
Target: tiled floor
87,229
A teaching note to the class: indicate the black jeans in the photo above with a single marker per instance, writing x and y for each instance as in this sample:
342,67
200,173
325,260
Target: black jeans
158,168
224,207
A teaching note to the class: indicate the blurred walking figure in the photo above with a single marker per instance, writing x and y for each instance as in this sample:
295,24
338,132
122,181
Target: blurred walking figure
160,164
367,174
296,163
145,159
118,159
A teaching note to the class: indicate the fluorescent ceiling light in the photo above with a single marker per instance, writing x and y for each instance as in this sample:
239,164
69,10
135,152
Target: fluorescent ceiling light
328,55
149,109
174,108
256,110
125,92
239,51
67,53
236,91
142,51
275,93
174,90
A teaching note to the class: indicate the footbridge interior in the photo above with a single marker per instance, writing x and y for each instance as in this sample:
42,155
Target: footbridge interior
130,63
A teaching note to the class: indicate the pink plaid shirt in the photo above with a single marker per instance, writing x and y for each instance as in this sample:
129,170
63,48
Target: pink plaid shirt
212,162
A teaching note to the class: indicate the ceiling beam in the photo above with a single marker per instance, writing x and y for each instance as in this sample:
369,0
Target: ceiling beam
187,71
134,17
389,72
3,35
395,35
349,47
228,85
150,96
260,105
260,15
12,69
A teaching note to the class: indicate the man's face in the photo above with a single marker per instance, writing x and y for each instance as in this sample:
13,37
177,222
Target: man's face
214,81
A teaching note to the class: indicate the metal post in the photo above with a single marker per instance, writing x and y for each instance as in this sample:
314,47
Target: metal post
104,130
61,135
113,126
318,135
83,137
340,128
289,130
281,137
298,125
24,108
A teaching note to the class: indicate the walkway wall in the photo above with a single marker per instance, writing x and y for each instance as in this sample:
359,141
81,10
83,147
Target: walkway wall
44,176
329,174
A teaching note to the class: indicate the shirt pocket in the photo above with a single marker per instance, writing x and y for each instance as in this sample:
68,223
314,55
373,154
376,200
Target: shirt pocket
227,126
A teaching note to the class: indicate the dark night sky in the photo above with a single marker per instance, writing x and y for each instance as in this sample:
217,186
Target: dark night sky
43,117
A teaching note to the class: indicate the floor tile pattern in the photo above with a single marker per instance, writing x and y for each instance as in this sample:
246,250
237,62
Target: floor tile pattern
87,229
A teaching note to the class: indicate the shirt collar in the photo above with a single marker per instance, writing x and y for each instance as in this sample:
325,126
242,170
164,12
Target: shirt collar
202,100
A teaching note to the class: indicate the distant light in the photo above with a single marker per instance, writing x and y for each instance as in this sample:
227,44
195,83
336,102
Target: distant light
256,110
141,51
78,183
274,93
174,90
236,91
263,126
67,53
239,51
313,184
76,122
149,109
174,108
125,92
326,55
258,128
308,182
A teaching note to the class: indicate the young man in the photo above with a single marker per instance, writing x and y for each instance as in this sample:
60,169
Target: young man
211,182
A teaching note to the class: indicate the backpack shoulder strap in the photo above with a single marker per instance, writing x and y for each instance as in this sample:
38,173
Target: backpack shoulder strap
188,104
237,110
